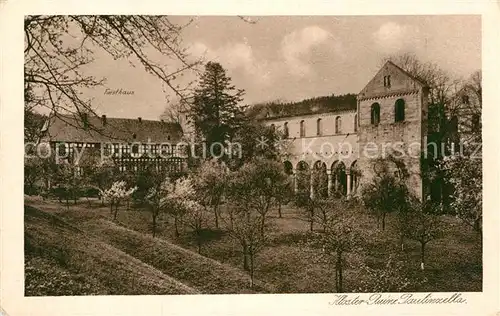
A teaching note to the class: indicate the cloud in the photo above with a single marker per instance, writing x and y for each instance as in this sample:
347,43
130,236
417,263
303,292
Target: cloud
298,45
235,56
392,37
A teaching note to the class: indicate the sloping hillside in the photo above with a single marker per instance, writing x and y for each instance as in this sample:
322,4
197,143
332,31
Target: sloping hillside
61,259
99,256
205,274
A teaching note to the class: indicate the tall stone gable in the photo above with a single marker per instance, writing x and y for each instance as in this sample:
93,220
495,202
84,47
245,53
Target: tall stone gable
387,133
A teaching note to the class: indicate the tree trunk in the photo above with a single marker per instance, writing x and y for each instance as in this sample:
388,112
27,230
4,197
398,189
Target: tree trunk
325,221
339,271
422,256
251,268
245,257
116,212
176,227
198,240
477,225
311,220
154,225
337,278
262,224
383,221
216,214
279,210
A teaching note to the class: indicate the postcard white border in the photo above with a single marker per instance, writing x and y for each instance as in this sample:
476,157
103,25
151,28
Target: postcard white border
12,298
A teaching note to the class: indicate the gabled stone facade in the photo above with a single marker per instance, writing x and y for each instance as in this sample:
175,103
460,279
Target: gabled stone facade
390,118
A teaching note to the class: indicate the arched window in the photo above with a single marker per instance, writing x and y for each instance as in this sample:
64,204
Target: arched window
285,130
375,114
399,110
302,129
338,125
355,122
318,127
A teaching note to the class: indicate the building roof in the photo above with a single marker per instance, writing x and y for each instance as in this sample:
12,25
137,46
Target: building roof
71,128
402,82
325,104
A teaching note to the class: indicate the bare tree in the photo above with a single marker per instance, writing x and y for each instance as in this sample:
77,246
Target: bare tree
195,218
340,237
211,184
442,86
246,229
175,111
58,47
387,191
256,186
423,225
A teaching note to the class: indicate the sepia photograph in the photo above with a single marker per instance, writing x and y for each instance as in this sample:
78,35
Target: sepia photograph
253,155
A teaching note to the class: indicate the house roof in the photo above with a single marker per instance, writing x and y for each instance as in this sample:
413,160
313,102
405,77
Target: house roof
326,104
71,128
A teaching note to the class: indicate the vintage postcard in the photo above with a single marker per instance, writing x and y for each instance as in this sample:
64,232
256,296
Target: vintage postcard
296,158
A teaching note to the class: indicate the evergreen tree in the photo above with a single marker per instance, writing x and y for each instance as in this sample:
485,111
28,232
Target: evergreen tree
215,108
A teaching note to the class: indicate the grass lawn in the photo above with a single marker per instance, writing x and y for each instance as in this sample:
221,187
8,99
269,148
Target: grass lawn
61,259
287,264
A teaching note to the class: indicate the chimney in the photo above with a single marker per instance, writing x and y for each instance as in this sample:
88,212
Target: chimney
85,120
103,119
140,119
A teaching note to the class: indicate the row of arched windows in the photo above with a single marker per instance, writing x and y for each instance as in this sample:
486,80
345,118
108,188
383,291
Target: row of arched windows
399,116
399,112
319,127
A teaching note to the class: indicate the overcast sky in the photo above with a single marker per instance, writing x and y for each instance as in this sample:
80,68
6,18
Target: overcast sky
292,58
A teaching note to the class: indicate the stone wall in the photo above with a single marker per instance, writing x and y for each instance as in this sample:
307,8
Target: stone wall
365,143
327,147
404,140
